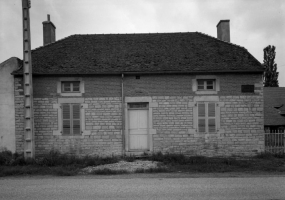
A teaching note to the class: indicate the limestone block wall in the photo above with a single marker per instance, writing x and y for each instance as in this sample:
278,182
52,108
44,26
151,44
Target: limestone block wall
19,114
102,119
172,119
241,116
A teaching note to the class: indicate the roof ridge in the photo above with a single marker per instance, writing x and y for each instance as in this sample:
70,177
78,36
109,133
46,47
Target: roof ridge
53,42
7,60
204,34
229,44
132,33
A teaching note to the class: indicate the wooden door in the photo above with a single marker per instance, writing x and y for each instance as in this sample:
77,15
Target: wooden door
138,129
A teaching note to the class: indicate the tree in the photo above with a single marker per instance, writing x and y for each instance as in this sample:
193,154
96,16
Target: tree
270,75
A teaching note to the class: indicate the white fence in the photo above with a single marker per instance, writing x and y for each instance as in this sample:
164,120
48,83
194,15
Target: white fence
274,142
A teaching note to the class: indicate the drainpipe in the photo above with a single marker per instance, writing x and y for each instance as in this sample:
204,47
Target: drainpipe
123,117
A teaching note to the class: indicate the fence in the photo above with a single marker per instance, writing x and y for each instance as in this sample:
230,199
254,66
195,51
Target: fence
274,142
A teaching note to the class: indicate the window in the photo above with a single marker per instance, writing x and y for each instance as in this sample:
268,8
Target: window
206,84
71,86
70,119
247,88
138,105
207,117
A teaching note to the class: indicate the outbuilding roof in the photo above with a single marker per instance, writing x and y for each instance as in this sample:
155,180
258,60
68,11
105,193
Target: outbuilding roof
274,106
141,53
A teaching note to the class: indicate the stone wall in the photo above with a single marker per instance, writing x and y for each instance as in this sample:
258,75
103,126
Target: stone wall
19,114
241,116
7,105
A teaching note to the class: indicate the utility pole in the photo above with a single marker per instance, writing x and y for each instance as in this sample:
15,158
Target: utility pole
29,138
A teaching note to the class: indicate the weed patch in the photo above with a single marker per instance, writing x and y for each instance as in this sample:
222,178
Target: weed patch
107,171
65,171
153,170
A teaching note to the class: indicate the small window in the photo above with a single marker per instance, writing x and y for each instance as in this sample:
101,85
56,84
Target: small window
71,119
247,88
205,84
71,86
138,105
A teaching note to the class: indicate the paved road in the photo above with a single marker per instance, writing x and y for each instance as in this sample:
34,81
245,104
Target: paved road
129,187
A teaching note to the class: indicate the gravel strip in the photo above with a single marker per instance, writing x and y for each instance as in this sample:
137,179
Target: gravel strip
123,165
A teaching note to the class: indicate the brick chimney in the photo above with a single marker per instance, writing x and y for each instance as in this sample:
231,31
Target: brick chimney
223,30
49,31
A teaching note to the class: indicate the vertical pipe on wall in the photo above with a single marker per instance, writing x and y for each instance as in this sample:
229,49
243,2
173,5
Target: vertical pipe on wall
123,117
29,143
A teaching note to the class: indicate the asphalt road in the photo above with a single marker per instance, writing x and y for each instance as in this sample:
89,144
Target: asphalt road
143,187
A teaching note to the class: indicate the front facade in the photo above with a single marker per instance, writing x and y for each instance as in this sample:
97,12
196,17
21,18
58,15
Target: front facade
141,93
166,113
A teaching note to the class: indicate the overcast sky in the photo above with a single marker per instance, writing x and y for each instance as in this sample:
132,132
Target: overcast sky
254,24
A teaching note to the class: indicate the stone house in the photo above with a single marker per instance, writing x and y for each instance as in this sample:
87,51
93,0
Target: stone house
115,94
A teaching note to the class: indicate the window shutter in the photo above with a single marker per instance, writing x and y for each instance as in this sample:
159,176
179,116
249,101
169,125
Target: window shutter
211,110
66,118
212,125
201,116
201,125
201,110
76,118
212,115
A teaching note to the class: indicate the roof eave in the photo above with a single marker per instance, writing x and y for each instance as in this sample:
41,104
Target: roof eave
160,72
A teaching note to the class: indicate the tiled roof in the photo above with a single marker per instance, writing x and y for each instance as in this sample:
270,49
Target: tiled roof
149,53
274,106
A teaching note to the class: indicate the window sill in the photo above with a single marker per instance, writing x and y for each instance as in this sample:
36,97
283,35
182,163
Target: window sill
206,92
70,94
71,136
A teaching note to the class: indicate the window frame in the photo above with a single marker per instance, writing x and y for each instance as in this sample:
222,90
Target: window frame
205,91
83,106
205,84
145,106
207,118
71,119
71,86
61,92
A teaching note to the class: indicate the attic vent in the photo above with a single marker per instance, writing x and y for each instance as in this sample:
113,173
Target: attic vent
247,88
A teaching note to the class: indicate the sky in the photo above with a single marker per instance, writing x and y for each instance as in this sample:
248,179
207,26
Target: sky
254,24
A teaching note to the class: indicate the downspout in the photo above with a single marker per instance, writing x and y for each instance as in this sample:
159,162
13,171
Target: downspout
123,117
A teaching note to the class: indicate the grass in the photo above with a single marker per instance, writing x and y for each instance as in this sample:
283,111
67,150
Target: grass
153,170
55,163
107,171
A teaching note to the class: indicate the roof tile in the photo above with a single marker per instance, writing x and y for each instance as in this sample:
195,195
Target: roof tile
156,52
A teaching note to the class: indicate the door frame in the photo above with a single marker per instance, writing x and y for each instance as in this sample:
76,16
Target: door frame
151,131
146,108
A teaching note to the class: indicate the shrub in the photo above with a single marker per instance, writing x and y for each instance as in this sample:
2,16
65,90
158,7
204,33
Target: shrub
5,157
130,158
65,171
107,171
265,155
152,170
